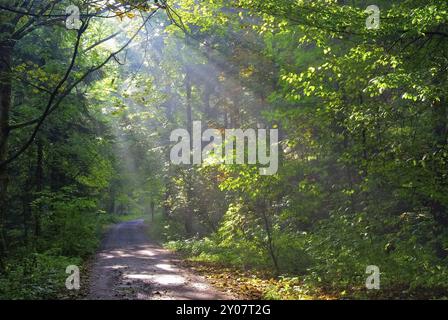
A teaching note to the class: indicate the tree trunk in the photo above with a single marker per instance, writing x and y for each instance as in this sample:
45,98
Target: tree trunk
188,183
39,184
440,131
209,113
262,207
26,208
6,49
152,206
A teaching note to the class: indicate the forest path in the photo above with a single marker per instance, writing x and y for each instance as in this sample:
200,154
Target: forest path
130,266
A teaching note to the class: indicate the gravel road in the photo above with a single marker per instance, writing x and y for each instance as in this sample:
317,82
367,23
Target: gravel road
130,266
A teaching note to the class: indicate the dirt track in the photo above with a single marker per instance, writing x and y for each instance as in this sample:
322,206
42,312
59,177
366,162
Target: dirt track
130,266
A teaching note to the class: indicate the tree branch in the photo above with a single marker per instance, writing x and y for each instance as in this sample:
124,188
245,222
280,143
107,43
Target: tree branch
51,107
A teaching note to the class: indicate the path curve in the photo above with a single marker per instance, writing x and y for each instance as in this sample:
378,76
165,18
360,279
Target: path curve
130,266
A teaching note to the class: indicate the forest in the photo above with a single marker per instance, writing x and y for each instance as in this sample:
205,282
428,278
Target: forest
349,96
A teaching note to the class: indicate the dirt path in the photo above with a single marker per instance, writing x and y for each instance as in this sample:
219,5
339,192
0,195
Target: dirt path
130,266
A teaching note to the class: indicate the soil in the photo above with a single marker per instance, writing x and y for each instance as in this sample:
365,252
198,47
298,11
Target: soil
131,266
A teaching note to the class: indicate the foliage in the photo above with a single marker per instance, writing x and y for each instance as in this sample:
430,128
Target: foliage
362,121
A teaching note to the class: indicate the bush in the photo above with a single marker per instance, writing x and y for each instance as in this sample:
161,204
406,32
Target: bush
345,245
35,276
70,232
291,254
71,227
